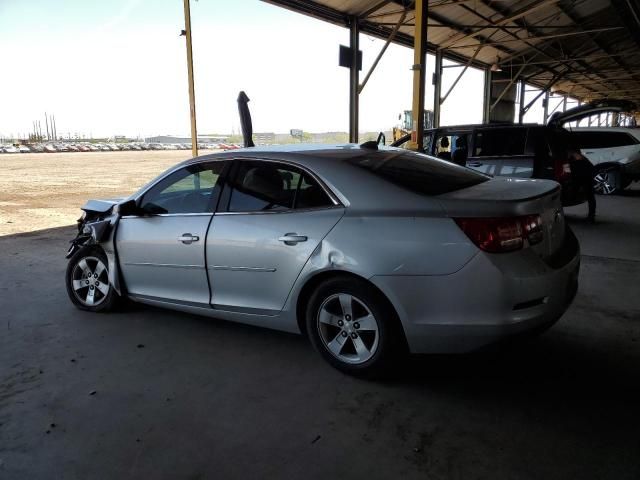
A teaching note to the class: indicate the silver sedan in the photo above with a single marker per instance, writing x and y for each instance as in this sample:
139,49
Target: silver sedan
369,252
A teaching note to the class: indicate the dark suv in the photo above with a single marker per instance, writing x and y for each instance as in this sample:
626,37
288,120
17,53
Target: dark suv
526,151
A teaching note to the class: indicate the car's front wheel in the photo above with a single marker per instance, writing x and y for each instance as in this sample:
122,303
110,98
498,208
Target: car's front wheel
87,281
353,328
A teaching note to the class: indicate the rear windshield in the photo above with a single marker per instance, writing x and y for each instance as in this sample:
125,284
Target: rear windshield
602,139
419,173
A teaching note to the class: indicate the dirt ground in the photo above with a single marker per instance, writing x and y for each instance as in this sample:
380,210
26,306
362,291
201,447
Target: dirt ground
46,190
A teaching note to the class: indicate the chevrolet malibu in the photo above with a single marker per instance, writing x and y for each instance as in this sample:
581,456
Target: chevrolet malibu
370,252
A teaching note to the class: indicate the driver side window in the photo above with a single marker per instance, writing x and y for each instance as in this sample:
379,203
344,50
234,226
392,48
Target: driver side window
192,189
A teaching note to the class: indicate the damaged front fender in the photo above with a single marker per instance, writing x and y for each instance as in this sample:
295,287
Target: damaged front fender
98,226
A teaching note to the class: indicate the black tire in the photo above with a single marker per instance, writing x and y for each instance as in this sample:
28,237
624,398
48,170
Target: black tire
101,302
390,347
607,180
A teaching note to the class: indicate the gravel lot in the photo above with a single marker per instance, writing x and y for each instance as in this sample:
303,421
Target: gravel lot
149,393
45,190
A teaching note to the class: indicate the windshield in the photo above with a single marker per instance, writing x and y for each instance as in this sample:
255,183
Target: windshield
419,173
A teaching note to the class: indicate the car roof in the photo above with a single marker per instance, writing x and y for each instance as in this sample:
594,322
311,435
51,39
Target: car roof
305,154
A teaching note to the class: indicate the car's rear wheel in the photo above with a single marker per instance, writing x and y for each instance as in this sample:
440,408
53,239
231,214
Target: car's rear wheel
87,281
354,328
607,180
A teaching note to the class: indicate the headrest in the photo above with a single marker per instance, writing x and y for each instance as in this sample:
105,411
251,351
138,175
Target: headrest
263,180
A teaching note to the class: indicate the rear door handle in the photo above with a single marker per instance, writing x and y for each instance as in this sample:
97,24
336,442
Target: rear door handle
292,238
188,239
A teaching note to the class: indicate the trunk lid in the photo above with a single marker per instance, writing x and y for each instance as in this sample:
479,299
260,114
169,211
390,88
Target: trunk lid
511,197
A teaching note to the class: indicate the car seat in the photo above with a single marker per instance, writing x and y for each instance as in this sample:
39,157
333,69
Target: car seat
460,154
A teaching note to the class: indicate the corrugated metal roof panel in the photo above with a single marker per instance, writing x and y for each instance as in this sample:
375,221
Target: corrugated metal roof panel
591,45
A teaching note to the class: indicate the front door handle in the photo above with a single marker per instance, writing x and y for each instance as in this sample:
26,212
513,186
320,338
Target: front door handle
292,238
188,239
475,164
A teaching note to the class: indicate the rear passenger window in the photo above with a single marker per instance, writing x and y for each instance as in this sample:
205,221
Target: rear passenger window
499,142
602,139
271,186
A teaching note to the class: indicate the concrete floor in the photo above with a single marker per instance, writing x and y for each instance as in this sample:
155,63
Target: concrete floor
147,393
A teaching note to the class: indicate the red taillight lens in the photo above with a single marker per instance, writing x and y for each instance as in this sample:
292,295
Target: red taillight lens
562,170
499,235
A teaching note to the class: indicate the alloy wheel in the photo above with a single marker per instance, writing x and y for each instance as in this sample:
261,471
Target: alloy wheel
90,281
348,329
604,183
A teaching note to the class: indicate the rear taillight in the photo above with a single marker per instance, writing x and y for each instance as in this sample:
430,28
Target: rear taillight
499,235
561,170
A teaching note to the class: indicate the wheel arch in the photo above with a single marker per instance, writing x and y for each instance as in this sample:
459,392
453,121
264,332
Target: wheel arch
606,165
312,283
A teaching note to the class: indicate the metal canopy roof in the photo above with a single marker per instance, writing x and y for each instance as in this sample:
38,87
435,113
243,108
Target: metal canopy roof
588,49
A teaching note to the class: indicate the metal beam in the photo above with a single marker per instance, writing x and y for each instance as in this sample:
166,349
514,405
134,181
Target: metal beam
354,81
514,79
437,88
419,70
382,50
545,104
455,82
515,16
540,37
563,60
486,103
521,112
192,92
375,8
544,91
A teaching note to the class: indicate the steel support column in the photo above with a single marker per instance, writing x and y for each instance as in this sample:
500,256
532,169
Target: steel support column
437,88
419,70
192,94
354,80
546,106
521,114
486,105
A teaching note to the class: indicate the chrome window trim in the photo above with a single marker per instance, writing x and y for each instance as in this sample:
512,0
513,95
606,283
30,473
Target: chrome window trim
188,163
326,189
332,196
208,214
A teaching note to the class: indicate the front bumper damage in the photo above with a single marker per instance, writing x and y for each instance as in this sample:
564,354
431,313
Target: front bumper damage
98,226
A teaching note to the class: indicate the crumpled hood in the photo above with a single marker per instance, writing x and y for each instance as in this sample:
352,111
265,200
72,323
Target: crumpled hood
101,206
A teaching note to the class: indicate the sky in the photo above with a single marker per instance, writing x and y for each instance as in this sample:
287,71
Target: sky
119,68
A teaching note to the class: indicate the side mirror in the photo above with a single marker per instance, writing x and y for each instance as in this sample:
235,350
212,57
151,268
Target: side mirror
129,208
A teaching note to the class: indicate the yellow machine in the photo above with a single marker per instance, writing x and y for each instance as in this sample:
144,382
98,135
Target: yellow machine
406,123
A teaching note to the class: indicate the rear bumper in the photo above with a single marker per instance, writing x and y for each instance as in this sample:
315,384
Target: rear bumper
491,298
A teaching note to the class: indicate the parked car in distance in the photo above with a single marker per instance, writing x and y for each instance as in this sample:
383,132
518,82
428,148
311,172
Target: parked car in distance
10,149
615,153
522,151
24,149
368,252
